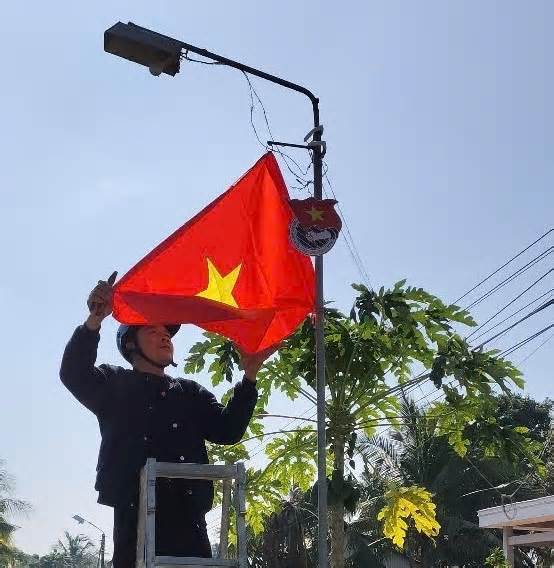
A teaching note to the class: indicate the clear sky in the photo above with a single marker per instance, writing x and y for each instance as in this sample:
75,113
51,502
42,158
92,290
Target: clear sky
439,123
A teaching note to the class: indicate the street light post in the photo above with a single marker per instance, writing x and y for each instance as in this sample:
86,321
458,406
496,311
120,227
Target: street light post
162,54
102,550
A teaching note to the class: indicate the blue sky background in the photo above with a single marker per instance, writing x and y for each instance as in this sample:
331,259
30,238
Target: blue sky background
438,118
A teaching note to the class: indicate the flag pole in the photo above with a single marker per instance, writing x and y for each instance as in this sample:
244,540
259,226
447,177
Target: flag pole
163,54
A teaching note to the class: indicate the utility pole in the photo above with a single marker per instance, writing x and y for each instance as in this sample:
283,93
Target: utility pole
163,54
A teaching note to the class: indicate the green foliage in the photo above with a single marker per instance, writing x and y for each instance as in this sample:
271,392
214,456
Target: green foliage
72,551
264,496
75,551
8,507
224,358
291,467
227,454
291,459
370,356
474,418
496,559
405,503
413,454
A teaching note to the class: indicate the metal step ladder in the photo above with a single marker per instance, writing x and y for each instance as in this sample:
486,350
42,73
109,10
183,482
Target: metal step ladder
146,536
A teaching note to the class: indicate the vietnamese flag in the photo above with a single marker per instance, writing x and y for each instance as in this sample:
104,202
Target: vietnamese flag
231,269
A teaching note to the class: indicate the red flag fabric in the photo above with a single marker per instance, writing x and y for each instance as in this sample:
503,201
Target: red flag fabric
231,269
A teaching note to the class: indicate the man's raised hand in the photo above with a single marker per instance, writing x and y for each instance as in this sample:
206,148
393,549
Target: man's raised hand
252,362
100,302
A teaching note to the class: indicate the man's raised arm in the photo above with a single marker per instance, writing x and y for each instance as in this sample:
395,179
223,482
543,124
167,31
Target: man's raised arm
78,371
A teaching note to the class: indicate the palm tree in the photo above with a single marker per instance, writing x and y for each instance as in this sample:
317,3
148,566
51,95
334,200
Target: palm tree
76,551
414,455
8,507
287,536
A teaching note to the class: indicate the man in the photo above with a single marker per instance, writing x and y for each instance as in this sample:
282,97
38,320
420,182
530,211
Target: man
145,413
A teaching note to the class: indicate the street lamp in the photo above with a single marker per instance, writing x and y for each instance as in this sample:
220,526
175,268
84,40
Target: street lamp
81,521
162,54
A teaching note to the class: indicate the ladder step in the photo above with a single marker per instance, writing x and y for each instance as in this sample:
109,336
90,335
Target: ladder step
192,562
196,471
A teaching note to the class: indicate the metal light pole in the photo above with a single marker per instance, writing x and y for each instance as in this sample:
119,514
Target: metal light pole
162,54
102,551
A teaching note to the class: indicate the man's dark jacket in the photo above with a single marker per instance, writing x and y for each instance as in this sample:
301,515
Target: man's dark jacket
143,415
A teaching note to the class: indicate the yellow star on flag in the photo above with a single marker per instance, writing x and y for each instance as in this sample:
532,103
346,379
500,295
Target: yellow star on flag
315,214
220,288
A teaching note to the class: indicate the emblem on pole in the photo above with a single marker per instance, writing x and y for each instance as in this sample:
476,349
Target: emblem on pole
316,225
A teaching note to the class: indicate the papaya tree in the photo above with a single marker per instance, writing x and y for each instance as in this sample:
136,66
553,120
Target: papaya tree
371,356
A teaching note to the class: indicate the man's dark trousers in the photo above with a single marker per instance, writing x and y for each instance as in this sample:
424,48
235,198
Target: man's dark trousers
178,531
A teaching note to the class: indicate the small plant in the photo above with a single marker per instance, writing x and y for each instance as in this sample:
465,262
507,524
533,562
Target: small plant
496,559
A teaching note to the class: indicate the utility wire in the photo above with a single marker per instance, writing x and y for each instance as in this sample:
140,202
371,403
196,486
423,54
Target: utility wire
530,474
409,386
536,349
354,251
254,93
514,300
512,315
503,266
523,480
416,384
519,345
511,277
530,314
300,176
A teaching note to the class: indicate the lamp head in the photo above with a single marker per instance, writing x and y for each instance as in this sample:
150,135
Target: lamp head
79,519
161,54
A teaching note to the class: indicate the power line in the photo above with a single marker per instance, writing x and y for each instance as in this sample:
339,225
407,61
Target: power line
513,301
298,175
300,178
534,312
253,93
352,247
528,476
264,442
537,348
507,352
503,266
413,384
520,344
406,390
512,314
511,277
